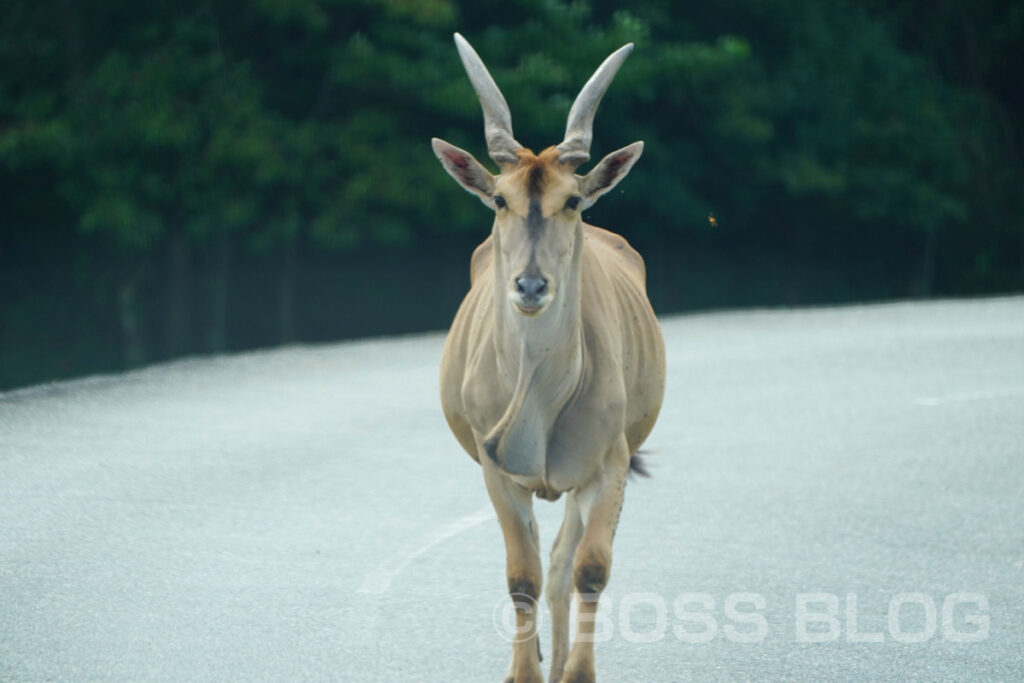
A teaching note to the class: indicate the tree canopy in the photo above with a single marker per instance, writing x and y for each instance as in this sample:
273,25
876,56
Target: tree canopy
155,153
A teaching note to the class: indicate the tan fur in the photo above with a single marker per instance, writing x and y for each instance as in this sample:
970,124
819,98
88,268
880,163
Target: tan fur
613,401
470,336
553,391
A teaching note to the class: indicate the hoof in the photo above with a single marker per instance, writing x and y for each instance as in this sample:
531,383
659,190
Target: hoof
577,677
539,678
574,675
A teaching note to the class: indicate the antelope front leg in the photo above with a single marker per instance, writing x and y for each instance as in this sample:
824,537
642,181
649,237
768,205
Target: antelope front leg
559,587
600,503
514,507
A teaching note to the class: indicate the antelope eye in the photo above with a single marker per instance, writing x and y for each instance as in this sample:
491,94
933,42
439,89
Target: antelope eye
572,203
499,201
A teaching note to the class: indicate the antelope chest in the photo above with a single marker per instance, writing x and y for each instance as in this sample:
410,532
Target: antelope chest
557,435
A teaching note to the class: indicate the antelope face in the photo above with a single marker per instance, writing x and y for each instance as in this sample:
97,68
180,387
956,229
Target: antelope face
537,198
536,227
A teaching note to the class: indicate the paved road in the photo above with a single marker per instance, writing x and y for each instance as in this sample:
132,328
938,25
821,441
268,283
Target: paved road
839,475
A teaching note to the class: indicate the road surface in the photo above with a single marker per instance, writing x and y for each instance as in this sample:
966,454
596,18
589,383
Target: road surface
836,494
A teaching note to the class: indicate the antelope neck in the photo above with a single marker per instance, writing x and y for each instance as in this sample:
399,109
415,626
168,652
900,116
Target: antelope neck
543,356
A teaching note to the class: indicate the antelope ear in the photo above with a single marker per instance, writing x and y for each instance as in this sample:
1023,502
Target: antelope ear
465,169
609,172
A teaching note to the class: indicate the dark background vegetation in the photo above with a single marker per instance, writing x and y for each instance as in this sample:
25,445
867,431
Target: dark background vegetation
193,177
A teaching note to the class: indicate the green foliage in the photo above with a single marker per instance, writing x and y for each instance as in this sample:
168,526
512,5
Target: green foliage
853,128
321,129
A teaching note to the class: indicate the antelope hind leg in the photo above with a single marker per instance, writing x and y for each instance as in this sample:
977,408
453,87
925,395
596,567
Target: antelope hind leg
559,585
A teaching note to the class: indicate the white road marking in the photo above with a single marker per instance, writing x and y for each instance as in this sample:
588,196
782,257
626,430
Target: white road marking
380,580
969,396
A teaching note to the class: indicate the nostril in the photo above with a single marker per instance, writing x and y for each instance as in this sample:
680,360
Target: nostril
531,287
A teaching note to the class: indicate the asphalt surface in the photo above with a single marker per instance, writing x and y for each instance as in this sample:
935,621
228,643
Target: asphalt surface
853,476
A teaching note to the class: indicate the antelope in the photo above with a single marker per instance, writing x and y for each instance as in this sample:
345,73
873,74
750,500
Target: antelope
553,370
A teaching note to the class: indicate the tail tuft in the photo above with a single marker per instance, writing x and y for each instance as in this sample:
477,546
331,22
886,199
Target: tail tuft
637,466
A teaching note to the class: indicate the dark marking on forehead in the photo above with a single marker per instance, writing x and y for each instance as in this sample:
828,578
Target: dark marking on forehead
535,170
535,181
534,220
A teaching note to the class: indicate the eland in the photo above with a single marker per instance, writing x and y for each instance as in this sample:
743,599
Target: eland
554,368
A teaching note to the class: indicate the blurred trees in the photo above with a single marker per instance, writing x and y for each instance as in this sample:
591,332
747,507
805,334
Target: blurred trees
150,151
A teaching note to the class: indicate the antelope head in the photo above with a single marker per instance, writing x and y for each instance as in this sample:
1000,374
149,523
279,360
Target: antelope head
537,199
